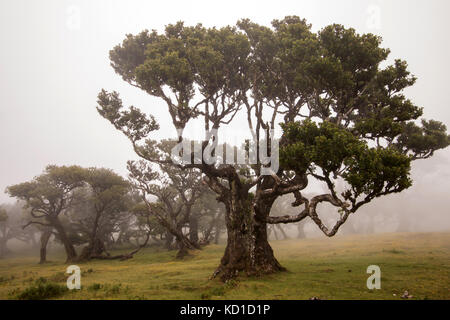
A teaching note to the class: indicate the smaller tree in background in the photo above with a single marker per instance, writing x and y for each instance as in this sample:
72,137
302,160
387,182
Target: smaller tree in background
88,205
5,232
211,217
176,192
12,219
48,195
106,199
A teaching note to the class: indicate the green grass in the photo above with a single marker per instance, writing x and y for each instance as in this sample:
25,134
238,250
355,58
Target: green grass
327,268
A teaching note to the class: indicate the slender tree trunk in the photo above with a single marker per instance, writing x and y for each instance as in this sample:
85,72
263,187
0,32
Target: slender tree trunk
169,241
275,233
3,247
217,230
217,235
34,243
248,249
119,240
301,230
109,242
285,236
403,223
96,246
193,228
269,231
68,246
45,237
370,226
348,228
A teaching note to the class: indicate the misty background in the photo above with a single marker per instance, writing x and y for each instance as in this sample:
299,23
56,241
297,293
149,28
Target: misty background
54,61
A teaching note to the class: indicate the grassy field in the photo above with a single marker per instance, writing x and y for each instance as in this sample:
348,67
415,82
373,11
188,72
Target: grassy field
326,268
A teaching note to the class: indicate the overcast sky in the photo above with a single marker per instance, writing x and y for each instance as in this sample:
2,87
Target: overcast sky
54,61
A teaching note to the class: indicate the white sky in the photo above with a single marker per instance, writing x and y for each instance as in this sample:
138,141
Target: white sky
54,61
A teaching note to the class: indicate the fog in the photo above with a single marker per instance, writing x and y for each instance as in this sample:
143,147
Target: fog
54,61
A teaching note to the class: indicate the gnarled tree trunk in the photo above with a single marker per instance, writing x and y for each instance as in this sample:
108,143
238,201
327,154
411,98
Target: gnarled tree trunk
168,243
183,243
68,246
95,248
248,249
45,237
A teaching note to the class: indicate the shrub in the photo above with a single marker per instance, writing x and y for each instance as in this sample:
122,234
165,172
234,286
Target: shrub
95,287
115,289
42,290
